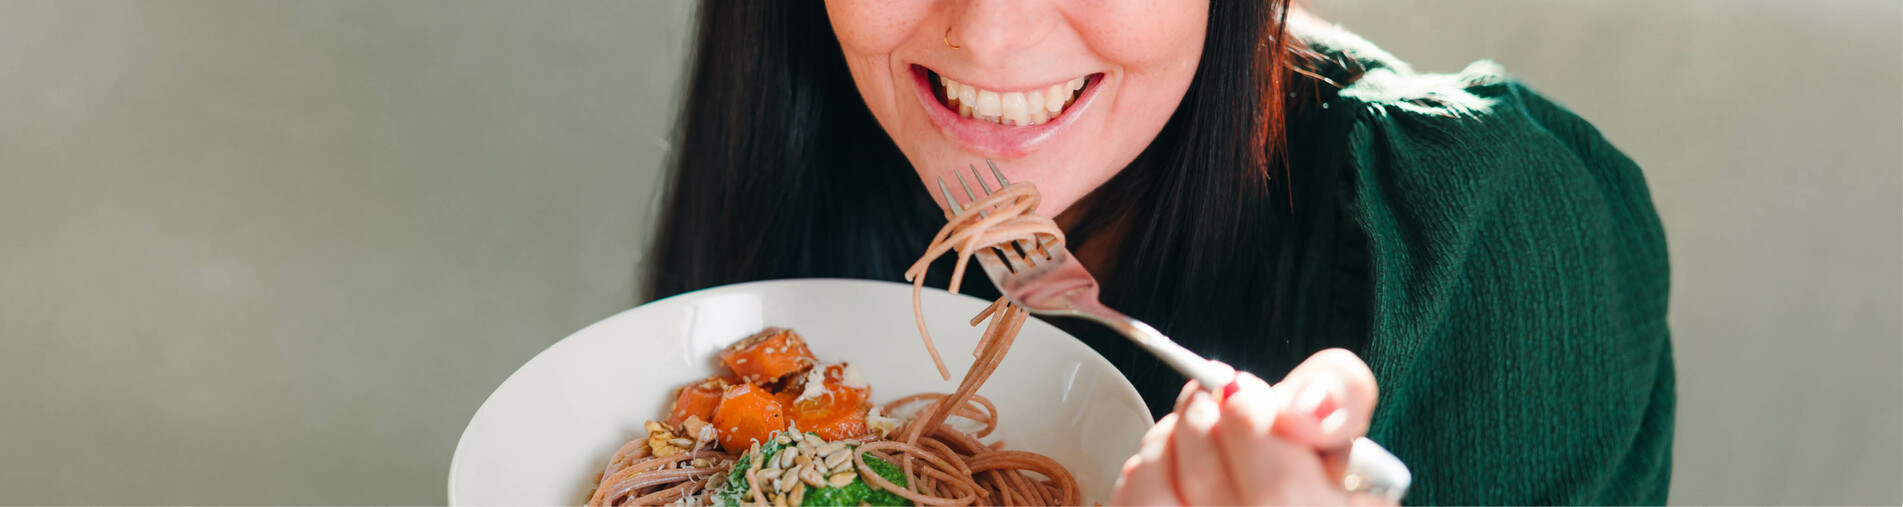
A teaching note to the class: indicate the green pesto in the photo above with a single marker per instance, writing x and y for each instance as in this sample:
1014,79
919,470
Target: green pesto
1502,270
735,490
859,491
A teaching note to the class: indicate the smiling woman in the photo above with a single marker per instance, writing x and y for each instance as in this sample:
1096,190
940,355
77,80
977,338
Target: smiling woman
1273,192
1126,65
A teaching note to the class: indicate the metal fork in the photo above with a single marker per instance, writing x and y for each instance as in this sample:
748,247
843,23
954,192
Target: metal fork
1046,280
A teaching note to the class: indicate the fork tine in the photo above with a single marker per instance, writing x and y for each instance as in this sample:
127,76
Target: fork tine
1017,253
981,180
1004,182
961,182
949,199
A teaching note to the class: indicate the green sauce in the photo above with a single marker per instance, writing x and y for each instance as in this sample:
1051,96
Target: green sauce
735,491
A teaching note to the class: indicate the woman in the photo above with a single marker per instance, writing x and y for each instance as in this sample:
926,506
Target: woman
1262,187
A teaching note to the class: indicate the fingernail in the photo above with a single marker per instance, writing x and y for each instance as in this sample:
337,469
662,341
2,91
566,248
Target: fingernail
1317,402
1201,410
1228,392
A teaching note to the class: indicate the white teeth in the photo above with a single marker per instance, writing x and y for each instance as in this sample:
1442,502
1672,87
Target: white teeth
988,103
1035,107
1015,107
1055,99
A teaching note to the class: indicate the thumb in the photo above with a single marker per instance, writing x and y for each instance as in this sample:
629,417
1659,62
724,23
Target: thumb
1328,400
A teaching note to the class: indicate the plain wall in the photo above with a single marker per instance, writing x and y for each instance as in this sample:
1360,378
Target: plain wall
278,252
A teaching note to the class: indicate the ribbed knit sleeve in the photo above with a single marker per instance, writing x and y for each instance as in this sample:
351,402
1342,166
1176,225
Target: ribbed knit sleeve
1501,268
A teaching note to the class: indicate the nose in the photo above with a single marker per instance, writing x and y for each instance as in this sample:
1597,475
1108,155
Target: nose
991,32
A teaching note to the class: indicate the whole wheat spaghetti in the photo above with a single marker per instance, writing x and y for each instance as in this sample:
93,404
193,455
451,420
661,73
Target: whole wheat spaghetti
962,471
925,461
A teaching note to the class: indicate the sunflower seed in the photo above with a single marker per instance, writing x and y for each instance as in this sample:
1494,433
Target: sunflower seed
802,460
837,459
786,484
782,440
814,439
787,458
769,474
842,466
829,449
798,497
700,463
813,479
841,479
680,442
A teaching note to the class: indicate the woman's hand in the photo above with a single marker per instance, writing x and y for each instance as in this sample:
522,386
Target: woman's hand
1259,445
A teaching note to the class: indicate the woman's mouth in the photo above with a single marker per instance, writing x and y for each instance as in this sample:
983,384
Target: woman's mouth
1012,108
1001,123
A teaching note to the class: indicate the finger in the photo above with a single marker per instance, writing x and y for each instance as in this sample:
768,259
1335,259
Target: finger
1327,400
1182,398
1288,473
1268,470
1200,475
1145,479
1157,439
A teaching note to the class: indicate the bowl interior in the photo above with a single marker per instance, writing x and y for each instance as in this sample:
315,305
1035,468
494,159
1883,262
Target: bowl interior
543,435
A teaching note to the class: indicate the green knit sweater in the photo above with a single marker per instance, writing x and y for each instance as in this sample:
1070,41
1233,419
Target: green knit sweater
1503,269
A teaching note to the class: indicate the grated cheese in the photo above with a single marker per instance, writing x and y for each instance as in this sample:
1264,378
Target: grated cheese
815,384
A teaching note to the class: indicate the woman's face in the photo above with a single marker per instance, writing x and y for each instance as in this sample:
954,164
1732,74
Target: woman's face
1061,93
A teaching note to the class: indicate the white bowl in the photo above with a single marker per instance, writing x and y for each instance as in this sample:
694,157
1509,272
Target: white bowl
544,434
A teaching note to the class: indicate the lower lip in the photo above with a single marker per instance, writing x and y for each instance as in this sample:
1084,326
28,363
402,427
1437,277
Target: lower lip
993,140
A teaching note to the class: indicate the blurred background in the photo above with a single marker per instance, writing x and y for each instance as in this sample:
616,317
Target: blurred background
278,252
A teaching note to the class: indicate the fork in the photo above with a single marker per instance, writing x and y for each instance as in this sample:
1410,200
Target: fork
1046,280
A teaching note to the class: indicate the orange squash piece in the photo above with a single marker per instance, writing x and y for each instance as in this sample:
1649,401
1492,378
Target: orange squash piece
838,412
747,414
698,399
768,355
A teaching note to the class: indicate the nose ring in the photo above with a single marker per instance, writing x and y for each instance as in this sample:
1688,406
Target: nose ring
948,39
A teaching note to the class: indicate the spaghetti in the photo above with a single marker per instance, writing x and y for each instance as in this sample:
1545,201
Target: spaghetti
788,450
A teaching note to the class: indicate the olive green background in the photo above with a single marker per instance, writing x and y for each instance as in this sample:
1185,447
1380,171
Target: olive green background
278,252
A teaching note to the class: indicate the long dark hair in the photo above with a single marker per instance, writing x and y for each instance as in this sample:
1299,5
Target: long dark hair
780,171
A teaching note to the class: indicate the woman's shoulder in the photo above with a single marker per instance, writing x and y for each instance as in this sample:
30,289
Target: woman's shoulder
1481,119
1452,150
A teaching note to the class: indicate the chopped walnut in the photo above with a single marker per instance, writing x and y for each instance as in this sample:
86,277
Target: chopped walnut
659,436
701,431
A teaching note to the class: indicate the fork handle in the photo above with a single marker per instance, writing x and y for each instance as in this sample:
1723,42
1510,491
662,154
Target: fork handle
1370,469
1213,375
